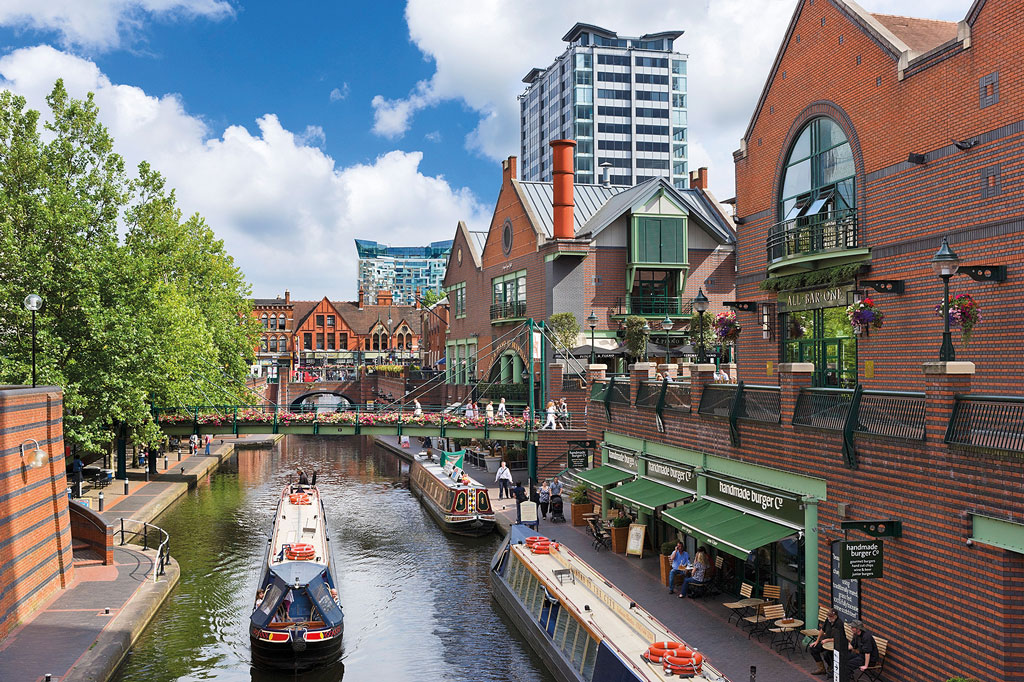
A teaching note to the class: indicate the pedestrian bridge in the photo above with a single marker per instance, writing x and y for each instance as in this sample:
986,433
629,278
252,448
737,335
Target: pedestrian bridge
356,421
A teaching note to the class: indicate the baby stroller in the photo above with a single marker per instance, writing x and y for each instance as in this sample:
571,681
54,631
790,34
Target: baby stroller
556,510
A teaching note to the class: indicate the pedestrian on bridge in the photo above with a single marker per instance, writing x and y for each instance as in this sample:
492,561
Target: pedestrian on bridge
417,408
552,412
489,410
502,410
504,480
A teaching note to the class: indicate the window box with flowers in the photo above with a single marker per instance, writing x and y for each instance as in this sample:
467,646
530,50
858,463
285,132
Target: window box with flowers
864,315
964,313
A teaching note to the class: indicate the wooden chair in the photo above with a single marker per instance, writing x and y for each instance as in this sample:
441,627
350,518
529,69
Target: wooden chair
874,670
814,632
772,594
703,588
601,536
746,601
764,619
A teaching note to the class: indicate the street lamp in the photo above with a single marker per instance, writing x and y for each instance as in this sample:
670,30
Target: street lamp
33,302
592,321
700,304
945,264
667,325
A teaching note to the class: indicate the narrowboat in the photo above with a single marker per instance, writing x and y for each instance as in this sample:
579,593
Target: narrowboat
584,628
297,620
459,504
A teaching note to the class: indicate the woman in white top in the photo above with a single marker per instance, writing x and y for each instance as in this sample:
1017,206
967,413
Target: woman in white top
469,410
552,412
417,409
502,411
489,410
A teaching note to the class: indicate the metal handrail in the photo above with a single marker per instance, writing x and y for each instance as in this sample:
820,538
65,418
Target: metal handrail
508,309
987,421
163,551
828,231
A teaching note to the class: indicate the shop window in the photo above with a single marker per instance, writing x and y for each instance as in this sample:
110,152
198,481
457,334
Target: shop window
319,341
330,342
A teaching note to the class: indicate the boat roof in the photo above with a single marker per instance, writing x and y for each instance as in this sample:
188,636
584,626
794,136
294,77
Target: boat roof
298,524
608,613
448,474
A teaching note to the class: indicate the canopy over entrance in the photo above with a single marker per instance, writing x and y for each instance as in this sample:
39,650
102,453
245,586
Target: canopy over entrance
600,478
728,529
647,494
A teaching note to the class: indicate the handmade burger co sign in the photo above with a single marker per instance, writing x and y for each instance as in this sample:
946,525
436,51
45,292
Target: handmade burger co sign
678,475
768,502
622,459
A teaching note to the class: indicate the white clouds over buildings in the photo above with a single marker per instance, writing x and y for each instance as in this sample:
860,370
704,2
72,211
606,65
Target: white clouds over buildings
284,209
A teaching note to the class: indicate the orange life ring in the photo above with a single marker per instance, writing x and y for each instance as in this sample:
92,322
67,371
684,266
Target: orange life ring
662,649
682,665
541,547
534,539
299,498
300,552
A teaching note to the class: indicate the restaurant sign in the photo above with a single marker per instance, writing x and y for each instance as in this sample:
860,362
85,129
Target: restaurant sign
830,297
622,459
860,559
845,593
579,457
768,502
673,473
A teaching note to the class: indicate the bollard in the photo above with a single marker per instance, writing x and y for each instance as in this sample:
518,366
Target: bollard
147,474
165,462
78,489
179,453
101,500
753,673
182,471
126,486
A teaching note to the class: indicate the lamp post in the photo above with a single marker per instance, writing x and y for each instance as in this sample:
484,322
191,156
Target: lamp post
592,321
700,304
667,325
33,302
945,264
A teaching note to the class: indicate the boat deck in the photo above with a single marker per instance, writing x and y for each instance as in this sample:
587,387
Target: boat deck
609,613
300,524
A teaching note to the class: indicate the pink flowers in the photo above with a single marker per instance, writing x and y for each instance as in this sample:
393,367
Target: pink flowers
964,312
352,417
863,314
725,327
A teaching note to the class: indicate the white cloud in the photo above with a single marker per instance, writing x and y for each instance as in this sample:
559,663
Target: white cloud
341,93
433,136
102,24
285,210
484,48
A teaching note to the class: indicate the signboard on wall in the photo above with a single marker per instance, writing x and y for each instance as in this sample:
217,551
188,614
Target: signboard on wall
578,457
845,593
622,459
673,473
762,501
860,559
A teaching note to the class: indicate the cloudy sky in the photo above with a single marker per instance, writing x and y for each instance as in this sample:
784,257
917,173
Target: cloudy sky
294,129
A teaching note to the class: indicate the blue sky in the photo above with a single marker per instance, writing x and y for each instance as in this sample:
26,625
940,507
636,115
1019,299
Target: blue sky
294,128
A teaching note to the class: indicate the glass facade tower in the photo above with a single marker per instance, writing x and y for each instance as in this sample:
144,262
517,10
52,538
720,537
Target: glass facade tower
401,269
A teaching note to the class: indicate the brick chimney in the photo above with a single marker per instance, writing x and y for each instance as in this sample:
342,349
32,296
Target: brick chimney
699,178
508,170
287,296
562,169
361,295
417,301
384,297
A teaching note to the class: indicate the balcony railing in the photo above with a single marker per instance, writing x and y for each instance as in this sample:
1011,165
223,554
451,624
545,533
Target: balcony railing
618,391
823,232
571,382
653,305
760,404
995,422
677,396
823,408
897,414
716,400
508,310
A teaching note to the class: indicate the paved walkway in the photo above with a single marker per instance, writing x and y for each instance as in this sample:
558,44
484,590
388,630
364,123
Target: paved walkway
701,622
81,641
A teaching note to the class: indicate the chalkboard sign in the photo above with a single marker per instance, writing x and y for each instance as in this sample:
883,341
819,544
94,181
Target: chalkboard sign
860,559
635,542
578,458
845,593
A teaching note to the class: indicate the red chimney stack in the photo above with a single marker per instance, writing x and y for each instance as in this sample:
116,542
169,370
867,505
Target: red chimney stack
699,178
562,202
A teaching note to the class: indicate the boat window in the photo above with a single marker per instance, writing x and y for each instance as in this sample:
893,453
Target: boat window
590,659
483,502
570,638
460,502
561,625
582,637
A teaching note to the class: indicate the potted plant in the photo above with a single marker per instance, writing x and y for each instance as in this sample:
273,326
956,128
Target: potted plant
863,315
964,313
579,504
619,530
726,328
667,548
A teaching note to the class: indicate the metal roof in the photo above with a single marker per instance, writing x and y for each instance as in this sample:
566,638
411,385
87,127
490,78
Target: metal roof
588,200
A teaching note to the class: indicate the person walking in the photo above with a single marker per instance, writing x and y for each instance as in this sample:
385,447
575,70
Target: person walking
556,487
417,408
76,473
489,410
519,492
544,499
502,410
504,480
563,414
552,411
208,439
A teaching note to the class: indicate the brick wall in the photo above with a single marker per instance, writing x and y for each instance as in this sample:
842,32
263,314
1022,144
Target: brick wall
35,533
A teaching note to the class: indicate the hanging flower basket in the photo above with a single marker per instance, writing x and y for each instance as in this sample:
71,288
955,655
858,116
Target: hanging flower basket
863,315
964,312
726,328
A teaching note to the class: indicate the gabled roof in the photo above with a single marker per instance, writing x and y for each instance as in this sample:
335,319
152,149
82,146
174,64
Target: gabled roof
920,35
537,197
473,243
360,321
693,201
264,302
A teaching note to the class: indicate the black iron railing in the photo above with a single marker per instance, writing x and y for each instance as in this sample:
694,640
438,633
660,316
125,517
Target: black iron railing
571,382
825,231
823,408
988,421
677,396
648,394
506,391
717,400
897,414
161,542
760,404
599,390
618,391
507,310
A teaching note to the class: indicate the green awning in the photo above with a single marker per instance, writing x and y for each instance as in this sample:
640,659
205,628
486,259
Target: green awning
600,478
647,494
726,528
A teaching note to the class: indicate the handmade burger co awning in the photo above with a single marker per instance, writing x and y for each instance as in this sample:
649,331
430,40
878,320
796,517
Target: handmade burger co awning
728,529
647,494
600,478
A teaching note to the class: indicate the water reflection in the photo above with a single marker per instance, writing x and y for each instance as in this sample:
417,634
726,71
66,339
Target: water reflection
417,602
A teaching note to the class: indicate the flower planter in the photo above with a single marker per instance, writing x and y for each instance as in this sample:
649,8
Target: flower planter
496,434
620,536
578,510
337,430
296,428
216,428
256,428
378,430
492,463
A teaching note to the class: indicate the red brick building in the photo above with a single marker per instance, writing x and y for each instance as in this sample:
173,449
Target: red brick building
874,138
434,321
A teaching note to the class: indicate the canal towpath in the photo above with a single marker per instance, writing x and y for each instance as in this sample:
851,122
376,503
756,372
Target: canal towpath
85,630
701,622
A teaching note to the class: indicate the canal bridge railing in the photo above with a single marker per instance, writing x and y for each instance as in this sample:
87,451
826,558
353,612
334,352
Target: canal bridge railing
161,542
358,420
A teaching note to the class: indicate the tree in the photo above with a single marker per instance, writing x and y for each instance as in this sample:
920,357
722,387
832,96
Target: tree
430,297
636,336
565,329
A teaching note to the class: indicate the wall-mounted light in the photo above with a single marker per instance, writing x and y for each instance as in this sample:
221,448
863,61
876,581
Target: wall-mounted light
36,458
916,158
767,329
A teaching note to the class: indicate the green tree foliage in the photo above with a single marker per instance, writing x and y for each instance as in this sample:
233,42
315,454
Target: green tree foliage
430,297
636,336
159,314
564,330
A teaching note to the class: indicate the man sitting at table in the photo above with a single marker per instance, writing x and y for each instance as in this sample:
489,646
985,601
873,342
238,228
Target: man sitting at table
680,558
824,635
863,650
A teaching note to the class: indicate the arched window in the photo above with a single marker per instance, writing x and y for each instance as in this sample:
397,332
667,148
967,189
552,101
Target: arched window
280,321
818,179
376,341
273,344
366,345
263,321
263,344
273,322
282,344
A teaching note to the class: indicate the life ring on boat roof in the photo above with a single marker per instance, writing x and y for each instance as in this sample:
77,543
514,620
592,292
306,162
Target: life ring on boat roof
299,498
300,552
530,541
691,663
657,652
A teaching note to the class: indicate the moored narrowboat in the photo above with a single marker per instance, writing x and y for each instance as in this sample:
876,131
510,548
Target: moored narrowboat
584,628
297,621
459,504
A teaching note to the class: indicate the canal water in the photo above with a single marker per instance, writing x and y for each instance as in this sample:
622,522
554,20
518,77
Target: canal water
417,602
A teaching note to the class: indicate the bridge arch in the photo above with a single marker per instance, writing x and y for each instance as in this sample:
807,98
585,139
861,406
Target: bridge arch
343,403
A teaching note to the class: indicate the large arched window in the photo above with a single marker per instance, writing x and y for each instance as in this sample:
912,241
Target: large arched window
263,344
273,344
280,321
263,320
282,344
818,178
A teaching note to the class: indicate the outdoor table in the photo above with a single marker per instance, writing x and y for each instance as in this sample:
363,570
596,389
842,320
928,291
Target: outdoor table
788,627
829,645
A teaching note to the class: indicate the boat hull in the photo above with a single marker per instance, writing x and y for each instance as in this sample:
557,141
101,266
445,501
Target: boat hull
303,656
474,528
